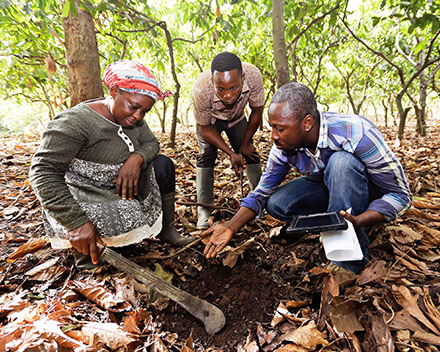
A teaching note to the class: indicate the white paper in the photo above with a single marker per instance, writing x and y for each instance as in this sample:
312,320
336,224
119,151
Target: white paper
342,245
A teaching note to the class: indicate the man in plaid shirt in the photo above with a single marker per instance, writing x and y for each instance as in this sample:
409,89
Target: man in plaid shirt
345,162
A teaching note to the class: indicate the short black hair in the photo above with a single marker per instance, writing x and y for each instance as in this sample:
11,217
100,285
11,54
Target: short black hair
226,61
300,98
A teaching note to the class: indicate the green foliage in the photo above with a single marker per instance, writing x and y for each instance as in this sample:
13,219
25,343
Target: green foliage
318,42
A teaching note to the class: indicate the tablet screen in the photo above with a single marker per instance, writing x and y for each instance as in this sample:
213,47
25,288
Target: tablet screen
317,221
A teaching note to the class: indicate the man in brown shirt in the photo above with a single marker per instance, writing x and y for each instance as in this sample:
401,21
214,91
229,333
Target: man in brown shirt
220,96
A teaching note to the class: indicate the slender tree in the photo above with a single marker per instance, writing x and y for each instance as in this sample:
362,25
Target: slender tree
279,43
82,56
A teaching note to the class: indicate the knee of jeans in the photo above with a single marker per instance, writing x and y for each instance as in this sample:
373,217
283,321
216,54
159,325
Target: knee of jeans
273,207
342,163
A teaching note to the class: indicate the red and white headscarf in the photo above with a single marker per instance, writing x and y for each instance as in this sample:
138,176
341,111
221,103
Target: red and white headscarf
133,77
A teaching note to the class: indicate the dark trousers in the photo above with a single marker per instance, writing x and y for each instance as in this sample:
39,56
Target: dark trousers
208,152
165,174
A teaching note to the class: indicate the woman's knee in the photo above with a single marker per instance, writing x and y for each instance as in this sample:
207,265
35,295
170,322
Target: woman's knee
164,171
163,165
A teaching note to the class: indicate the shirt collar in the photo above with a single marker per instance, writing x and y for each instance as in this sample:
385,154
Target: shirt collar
323,132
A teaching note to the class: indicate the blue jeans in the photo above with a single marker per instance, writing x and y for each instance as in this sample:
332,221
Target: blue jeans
344,186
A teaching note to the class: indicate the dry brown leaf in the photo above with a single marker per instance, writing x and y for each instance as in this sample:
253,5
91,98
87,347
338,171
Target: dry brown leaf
277,319
51,330
307,336
431,235
275,231
381,333
263,337
296,260
100,295
108,333
403,335
12,302
330,289
50,274
159,346
408,302
290,347
59,312
426,337
78,335
125,287
403,320
47,264
296,304
221,184
249,346
355,342
271,221
232,253
28,247
409,235
282,314
434,314
130,325
189,345
8,334
344,315
11,210
421,214
424,204
372,272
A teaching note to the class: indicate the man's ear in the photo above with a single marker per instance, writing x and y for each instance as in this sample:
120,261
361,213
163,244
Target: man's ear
308,122
242,77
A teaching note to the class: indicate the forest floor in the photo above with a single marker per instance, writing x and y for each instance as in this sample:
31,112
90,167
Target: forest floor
274,291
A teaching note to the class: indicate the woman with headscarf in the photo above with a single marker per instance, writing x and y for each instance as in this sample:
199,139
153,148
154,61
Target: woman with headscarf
98,173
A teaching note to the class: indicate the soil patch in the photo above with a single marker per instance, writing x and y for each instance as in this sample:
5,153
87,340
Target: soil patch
248,294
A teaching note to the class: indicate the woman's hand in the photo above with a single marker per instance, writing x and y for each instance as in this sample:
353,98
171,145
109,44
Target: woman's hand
85,238
128,177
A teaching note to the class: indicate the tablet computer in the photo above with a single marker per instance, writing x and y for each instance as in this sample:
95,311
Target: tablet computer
315,223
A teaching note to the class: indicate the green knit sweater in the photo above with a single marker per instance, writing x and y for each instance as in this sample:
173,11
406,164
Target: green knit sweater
81,133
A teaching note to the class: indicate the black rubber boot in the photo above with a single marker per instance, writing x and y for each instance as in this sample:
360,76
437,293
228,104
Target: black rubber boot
169,233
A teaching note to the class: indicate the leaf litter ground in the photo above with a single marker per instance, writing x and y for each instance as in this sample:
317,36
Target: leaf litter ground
275,291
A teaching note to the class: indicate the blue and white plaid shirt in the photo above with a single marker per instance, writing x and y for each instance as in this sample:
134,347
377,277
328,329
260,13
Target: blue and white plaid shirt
354,134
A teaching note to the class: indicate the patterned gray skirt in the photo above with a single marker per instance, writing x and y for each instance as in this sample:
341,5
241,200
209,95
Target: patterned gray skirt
119,222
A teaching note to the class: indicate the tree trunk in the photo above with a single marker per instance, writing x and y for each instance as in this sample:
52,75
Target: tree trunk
421,108
279,43
176,94
82,58
164,117
402,115
385,109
